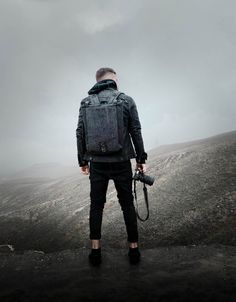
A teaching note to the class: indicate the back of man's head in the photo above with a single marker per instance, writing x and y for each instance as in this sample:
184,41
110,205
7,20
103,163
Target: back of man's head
105,73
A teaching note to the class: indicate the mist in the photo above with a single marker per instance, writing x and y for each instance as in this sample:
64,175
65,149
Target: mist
176,59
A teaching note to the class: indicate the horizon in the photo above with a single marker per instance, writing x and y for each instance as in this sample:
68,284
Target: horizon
74,165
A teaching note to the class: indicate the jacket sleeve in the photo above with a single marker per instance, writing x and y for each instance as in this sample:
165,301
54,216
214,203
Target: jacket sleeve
135,132
80,135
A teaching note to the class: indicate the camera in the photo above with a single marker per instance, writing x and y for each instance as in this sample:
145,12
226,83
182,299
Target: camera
138,175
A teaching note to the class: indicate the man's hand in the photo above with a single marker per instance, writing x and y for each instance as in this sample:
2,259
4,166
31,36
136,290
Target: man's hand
141,167
85,169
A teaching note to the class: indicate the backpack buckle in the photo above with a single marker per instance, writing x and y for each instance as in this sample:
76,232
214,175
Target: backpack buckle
103,146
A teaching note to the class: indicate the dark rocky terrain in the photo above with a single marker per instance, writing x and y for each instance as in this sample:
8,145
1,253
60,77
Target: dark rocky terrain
188,243
175,273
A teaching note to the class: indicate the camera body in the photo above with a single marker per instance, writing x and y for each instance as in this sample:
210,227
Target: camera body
140,176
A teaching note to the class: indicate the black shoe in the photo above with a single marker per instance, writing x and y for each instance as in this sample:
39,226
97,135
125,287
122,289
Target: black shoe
95,256
134,255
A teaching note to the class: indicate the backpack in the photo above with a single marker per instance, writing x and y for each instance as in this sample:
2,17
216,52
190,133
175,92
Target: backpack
103,123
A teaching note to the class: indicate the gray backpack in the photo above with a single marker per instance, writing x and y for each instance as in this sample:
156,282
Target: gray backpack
103,124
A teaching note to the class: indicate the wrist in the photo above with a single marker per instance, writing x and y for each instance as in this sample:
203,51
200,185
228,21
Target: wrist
141,158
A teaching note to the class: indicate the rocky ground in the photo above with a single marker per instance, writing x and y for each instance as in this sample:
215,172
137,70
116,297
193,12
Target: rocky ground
176,273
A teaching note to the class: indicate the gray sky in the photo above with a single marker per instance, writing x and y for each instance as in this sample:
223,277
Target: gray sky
176,58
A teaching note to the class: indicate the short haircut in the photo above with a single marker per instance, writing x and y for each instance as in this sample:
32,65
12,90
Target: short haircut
102,71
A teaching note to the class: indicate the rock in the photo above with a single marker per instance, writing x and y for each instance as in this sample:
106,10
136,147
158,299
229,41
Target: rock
34,252
6,248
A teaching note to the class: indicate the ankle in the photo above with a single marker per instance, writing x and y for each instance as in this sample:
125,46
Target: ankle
95,244
133,244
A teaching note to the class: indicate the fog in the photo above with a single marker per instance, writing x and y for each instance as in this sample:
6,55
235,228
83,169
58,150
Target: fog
175,58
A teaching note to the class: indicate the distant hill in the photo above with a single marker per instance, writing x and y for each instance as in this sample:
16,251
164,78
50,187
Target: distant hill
192,201
43,170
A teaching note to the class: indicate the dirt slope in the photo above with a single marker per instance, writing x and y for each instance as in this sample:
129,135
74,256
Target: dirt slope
191,202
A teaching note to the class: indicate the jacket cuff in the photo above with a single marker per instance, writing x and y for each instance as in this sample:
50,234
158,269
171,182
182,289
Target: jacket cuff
83,163
141,159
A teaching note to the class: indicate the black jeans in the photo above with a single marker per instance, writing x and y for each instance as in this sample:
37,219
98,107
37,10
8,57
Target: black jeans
121,173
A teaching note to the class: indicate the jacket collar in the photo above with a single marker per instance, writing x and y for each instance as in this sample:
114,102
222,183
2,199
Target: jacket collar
101,85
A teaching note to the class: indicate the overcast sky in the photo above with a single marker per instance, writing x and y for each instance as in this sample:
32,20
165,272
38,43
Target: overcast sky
176,58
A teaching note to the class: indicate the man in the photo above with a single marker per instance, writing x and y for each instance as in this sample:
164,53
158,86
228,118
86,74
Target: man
116,166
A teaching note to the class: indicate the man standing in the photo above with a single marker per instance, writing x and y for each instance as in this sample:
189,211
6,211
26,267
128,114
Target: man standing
116,165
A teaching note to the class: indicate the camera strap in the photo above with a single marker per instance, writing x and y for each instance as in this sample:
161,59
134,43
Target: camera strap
146,201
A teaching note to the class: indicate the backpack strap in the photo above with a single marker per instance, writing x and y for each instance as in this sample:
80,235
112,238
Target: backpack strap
93,98
117,94
114,100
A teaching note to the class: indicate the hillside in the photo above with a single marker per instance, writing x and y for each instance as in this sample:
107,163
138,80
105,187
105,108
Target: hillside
192,201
